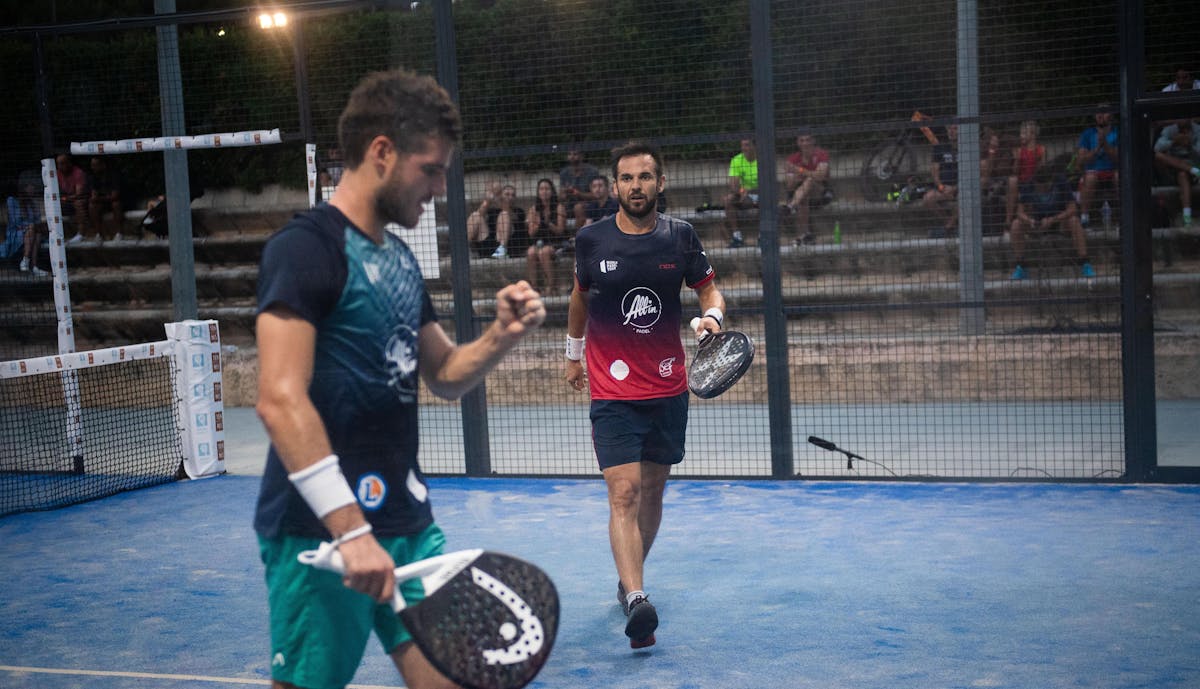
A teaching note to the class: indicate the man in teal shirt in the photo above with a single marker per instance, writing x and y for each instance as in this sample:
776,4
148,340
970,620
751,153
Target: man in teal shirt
743,191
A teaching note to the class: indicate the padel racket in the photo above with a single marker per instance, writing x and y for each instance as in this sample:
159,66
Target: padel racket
721,360
488,620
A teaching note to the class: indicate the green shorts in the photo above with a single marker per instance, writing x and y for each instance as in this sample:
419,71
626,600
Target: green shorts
319,628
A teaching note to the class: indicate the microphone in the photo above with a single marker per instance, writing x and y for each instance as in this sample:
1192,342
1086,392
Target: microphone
826,445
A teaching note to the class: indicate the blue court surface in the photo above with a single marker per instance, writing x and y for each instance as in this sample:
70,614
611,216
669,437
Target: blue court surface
758,584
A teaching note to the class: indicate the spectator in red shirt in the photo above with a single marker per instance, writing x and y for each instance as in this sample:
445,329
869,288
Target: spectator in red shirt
806,179
74,191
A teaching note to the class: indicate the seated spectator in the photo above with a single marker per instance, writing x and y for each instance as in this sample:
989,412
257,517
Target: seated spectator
743,191
26,222
105,196
477,222
547,225
502,226
1048,202
806,181
1183,82
74,193
602,203
942,199
1097,156
1027,159
1177,159
574,184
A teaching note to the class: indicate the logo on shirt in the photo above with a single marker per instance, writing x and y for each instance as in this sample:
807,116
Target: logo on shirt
641,308
608,266
371,491
666,367
402,363
666,266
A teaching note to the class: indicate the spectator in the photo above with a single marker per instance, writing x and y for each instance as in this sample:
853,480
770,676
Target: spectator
26,222
942,199
503,226
105,196
1049,202
73,192
574,181
1097,156
482,238
1177,157
1183,82
806,180
743,191
1027,159
602,203
547,225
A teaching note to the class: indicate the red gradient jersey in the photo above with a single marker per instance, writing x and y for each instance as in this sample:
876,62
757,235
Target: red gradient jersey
632,284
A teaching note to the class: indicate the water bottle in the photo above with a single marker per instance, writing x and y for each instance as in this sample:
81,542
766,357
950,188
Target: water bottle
837,232
1107,213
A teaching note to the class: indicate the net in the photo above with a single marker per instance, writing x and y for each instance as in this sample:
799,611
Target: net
87,425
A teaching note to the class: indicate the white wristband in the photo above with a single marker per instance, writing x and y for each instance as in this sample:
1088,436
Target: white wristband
323,486
352,534
715,314
575,348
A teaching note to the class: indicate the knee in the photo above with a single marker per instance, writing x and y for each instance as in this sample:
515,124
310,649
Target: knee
623,496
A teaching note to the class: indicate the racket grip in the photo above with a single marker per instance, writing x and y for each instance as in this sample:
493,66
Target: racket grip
327,557
696,324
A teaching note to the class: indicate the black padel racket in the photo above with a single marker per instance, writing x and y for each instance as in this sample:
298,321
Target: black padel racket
721,360
488,620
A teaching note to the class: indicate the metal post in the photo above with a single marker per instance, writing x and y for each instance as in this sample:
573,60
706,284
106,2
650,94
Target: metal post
300,63
474,403
970,216
175,171
1137,255
779,405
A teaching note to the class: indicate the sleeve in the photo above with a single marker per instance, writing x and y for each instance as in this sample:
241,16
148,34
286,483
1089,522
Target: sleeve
734,170
583,245
697,269
428,313
304,270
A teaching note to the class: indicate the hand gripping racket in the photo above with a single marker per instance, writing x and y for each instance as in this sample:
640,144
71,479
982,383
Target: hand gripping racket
721,360
488,620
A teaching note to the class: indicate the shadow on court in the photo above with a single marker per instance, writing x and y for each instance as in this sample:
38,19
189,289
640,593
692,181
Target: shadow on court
759,584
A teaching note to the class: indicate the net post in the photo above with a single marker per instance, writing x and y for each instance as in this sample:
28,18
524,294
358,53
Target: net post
196,352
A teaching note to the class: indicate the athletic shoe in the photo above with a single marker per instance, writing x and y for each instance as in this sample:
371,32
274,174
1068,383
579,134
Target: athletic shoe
736,243
1017,274
808,238
1087,271
643,620
38,272
76,239
24,265
621,598
117,237
500,252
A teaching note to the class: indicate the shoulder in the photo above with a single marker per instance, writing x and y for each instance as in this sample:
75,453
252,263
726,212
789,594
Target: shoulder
317,230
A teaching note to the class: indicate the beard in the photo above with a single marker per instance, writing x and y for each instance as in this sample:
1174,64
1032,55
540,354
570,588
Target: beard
650,207
390,207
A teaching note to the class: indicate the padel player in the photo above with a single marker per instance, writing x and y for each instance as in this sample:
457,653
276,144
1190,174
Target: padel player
629,270
345,326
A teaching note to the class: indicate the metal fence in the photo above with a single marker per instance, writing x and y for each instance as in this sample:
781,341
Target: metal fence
936,331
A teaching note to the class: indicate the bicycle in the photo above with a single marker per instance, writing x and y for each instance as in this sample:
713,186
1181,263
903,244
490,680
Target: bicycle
893,162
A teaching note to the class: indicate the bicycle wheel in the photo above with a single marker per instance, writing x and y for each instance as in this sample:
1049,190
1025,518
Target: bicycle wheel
892,162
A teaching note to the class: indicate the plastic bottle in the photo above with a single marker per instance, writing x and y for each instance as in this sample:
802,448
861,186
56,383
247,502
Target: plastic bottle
1107,212
837,232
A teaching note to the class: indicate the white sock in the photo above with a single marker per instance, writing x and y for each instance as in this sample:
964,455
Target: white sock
629,597
1083,218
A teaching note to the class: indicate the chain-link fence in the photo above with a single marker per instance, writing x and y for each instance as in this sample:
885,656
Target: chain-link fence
931,258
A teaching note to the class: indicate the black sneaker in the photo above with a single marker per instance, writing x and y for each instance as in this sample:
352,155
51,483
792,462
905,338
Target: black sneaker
643,620
621,598
808,238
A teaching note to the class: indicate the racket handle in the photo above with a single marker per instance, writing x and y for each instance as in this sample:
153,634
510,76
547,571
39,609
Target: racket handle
327,557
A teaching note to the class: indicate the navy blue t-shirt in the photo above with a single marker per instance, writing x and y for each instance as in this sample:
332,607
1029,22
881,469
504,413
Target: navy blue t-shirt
368,303
634,312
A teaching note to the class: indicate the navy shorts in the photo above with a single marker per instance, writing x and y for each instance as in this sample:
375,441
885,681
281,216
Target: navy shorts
626,431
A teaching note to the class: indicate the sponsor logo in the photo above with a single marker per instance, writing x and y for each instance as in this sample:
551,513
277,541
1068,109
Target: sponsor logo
371,491
619,370
203,450
666,266
216,359
666,367
194,331
608,266
218,421
278,660
201,420
641,308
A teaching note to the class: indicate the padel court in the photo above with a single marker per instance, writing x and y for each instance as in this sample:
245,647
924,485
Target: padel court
758,584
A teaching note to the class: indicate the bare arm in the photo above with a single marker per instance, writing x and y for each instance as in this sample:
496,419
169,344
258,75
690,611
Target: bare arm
577,319
451,370
710,297
286,349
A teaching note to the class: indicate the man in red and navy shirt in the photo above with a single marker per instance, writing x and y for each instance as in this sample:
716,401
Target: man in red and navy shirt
629,269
